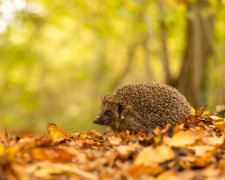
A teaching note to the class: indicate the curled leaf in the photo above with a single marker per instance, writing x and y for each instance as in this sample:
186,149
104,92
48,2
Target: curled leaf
55,133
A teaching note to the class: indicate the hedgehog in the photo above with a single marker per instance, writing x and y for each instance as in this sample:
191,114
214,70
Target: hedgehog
142,106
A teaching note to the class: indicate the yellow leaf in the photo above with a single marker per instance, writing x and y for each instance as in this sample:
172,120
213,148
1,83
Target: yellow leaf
192,110
11,151
201,150
83,136
115,140
216,118
213,140
150,155
184,138
124,151
206,112
167,174
2,150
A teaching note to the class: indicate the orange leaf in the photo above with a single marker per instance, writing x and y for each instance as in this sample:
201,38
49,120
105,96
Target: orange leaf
184,138
200,111
124,151
152,170
55,133
51,154
150,155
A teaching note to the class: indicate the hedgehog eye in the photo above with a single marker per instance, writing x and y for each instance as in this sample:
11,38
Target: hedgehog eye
108,113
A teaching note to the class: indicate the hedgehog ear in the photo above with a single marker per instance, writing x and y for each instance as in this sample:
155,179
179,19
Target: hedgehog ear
120,108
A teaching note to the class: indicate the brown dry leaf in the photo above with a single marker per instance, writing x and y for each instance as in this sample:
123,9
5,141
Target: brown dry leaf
212,172
124,151
201,150
203,161
45,170
51,154
150,155
2,150
189,175
110,157
199,153
221,164
185,138
167,175
196,161
200,111
192,120
216,118
115,140
55,133
213,141
11,151
111,173
139,170
6,138
20,170
147,161
8,141
220,124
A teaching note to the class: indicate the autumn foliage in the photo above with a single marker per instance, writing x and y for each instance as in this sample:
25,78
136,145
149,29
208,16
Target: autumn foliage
195,151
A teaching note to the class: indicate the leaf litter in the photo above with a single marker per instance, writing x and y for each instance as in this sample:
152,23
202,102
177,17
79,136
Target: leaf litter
195,151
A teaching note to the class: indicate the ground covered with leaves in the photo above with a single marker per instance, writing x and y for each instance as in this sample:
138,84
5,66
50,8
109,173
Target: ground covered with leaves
195,151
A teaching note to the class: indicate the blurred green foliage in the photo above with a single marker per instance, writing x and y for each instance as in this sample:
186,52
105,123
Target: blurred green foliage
58,57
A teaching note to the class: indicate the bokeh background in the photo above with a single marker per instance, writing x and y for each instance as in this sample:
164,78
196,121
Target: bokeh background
58,57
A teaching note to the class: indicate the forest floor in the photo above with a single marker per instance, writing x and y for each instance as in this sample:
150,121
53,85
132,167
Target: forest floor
195,151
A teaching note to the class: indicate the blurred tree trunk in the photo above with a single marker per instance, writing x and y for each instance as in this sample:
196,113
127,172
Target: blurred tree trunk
198,49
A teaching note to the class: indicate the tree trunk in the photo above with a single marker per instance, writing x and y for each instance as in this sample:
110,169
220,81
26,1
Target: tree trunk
198,49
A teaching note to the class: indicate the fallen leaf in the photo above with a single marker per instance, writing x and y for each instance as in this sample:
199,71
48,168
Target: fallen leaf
45,170
55,133
139,170
150,155
2,150
185,138
124,151
167,175
51,154
216,118
196,151
200,111
201,150
115,140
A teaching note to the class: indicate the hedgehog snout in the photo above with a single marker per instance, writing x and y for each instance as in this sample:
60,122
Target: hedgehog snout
97,120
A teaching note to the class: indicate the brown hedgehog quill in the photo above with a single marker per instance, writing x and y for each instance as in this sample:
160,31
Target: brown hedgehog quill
142,106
